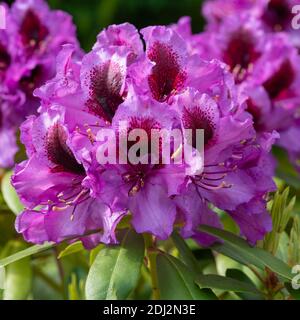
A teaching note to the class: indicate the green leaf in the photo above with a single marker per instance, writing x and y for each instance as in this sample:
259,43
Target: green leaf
75,290
94,252
176,281
9,194
18,276
241,276
224,283
70,249
238,275
283,247
186,254
116,270
294,293
25,253
294,243
205,259
238,249
281,211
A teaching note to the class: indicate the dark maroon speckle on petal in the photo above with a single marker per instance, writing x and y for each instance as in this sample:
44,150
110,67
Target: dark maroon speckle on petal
240,53
5,58
58,151
32,30
278,15
146,124
29,82
167,76
255,111
106,83
195,118
281,81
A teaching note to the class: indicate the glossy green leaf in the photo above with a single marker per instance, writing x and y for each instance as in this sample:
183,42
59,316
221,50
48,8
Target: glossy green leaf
94,252
116,270
186,254
241,276
205,258
281,210
283,247
25,253
238,249
238,275
176,280
294,243
9,194
224,283
70,249
18,276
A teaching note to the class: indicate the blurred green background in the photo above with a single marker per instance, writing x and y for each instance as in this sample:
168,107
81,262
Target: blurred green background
91,16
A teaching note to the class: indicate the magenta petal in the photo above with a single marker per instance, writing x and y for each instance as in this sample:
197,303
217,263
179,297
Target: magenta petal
8,147
253,220
31,224
153,212
196,213
45,186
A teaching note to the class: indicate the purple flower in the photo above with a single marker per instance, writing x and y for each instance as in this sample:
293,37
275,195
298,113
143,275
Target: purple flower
265,67
52,178
237,168
253,219
8,147
35,40
144,189
289,141
276,15
36,34
168,87
28,49
104,75
117,36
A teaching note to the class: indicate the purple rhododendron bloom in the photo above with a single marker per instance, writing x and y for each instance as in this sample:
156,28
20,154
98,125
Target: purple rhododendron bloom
166,86
28,47
275,15
8,146
265,67
52,178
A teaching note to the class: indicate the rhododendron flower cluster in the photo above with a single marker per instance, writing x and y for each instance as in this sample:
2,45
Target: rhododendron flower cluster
275,15
28,47
258,43
152,79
